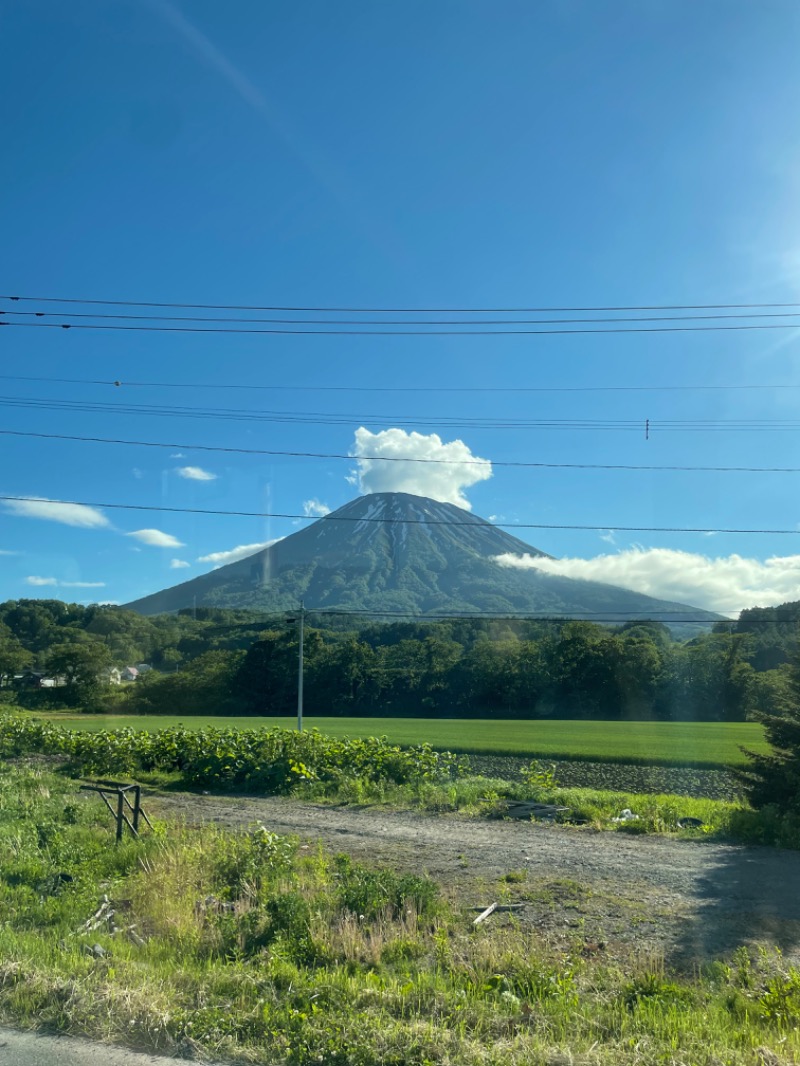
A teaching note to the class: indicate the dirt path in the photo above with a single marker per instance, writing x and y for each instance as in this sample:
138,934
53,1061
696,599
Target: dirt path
688,900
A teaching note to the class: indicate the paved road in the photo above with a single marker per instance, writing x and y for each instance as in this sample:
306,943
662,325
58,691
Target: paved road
31,1049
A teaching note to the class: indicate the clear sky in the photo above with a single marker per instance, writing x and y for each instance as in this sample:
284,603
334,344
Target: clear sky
449,154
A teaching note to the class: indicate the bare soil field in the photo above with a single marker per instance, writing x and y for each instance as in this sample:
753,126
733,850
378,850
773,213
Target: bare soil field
683,901
618,777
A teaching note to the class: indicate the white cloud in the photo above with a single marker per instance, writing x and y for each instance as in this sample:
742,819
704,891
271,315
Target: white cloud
156,539
54,582
68,514
609,536
178,564
442,480
726,584
5,552
137,473
315,509
177,455
233,555
195,473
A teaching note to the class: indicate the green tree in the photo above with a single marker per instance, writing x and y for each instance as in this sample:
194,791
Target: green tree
14,658
585,670
204,686
341,677
267,678
80,665
640,669
774,778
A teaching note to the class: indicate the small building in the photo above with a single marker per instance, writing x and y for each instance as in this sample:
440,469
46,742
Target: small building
32,679
129,673
143,668
111,675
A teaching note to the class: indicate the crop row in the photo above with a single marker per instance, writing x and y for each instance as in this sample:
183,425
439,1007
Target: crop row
263,760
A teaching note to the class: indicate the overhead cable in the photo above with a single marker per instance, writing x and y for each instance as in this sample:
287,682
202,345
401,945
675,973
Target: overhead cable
393,521
401,459
250,387
393,332
435,422
391,310
229,320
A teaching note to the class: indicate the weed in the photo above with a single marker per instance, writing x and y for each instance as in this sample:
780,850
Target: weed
779,1003
651,987
515,877
370,893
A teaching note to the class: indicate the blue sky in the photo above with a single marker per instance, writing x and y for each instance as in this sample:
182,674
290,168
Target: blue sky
411,155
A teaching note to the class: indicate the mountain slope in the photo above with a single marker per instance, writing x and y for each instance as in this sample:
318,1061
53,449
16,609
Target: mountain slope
396,552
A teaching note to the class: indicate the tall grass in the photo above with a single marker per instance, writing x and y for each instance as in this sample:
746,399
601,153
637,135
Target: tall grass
248,948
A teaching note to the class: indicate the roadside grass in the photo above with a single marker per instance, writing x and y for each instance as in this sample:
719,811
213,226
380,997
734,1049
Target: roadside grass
701,744
593,809
317,766
247,947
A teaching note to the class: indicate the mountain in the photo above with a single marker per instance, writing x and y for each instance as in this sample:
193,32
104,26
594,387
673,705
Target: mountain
395,552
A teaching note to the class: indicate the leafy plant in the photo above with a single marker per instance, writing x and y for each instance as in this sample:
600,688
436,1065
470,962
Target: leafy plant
369,893
540,778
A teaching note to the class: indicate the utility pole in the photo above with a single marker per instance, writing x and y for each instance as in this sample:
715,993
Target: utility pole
300,672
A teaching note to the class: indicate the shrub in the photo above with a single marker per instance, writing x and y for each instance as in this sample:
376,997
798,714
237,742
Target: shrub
370,893
269,761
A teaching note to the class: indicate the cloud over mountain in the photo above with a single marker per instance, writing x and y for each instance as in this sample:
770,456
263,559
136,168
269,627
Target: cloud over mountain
232,555
314,508
726,583
448,470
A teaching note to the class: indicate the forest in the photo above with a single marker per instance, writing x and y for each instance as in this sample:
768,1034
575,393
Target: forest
214,661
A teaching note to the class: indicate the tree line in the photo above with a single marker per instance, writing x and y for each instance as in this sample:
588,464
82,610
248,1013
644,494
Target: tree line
215,661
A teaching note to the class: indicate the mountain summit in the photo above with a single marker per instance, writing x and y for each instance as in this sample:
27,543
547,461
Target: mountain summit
394,552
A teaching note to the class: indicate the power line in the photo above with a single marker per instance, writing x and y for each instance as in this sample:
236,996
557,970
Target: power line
416,619
335,517
533,616
392,310
464,422
398,459
227,330
394,388
229,320
616,618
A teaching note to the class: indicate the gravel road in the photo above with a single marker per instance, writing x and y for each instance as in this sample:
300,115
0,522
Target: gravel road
688,900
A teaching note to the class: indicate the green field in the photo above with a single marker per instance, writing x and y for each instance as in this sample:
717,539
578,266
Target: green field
663,743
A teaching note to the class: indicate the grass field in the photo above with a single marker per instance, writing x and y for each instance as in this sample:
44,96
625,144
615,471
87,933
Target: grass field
710,744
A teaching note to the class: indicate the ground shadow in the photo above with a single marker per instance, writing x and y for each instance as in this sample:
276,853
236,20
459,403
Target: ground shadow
744,896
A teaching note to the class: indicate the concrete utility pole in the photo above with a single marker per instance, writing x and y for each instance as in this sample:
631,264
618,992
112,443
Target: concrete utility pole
300,672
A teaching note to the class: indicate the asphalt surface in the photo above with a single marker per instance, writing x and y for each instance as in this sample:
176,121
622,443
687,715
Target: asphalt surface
33,1049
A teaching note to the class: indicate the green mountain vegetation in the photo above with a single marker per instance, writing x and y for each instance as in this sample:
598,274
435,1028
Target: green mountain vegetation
405,554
